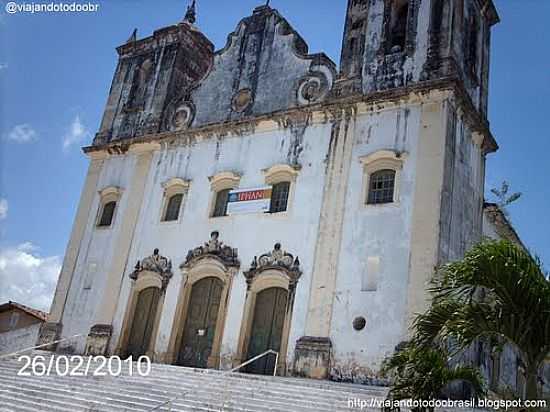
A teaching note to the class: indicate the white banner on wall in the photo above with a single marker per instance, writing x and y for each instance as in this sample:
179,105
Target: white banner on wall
243,201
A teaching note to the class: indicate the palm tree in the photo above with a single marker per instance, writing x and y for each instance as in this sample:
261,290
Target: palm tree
497,291
422,373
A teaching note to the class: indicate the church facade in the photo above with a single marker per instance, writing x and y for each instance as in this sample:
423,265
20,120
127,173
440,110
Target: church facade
260,197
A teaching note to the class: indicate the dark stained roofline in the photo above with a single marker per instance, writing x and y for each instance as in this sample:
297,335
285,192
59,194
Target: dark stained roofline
38,314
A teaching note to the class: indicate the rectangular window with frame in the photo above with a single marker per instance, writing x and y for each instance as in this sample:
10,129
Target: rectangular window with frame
279,197
381,187
220,207
173,208
107,214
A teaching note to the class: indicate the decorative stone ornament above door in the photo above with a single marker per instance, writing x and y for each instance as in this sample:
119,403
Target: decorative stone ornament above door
269,274
277,259
214,248
209,267
150,279
157,264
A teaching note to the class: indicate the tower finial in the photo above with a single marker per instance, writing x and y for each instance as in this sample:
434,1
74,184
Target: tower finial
133,37
191,15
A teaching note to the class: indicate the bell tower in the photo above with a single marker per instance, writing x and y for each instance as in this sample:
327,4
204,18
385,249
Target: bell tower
391,44
354,41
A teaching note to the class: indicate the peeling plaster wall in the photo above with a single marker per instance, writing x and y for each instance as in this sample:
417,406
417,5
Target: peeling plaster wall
380,232
384,69
95,257
463,190
252,234
18,339
266,56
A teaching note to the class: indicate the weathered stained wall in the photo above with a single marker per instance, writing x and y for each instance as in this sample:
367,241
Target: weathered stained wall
266,61
373,266
251,234
95,255
463,189
151,73
15,319
172,80
18,339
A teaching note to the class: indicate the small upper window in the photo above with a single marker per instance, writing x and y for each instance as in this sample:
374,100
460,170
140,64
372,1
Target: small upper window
173,208
222,198
279,197
107,214
381,187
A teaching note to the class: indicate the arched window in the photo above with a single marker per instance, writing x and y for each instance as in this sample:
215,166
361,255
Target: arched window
222,198
382,176
282,179
108,205
107,214
173,208
222,184
175,191
381,187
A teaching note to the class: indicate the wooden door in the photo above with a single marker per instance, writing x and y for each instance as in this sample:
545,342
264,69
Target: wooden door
200,325
267,329
143,322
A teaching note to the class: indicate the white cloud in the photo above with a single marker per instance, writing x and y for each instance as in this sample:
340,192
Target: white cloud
3,209
22,133
76,134
28,278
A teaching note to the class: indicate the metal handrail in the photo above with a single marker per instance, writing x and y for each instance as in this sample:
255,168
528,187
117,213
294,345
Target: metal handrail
248,362
39,346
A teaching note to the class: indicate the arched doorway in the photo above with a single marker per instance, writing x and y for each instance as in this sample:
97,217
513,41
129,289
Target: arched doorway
200,324
267,329
199,321
269,304
149,282
143,322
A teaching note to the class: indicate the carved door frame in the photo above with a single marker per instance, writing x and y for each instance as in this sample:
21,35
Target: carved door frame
146,280
276,269
206,267
269,279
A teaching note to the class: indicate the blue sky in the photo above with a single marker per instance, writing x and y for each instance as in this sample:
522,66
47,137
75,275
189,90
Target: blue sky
56,70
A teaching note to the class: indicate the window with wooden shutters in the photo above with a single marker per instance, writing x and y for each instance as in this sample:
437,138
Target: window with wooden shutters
381,187
172,213
279,197
220,208
107,214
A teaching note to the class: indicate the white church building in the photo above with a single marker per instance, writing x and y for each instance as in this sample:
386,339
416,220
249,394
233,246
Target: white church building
260,197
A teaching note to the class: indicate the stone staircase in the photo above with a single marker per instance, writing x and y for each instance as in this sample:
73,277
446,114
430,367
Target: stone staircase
198,390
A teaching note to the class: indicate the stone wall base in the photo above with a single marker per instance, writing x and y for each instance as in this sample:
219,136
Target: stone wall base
97,343
312,357
49,332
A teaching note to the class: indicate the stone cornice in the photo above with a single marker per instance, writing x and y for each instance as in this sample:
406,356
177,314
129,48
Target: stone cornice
321,113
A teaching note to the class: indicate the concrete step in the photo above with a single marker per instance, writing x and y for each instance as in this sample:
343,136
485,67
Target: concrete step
227,388
202,390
